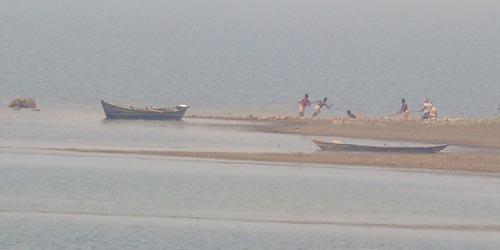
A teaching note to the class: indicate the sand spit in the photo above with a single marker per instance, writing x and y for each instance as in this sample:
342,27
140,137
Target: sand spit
484,163
457,131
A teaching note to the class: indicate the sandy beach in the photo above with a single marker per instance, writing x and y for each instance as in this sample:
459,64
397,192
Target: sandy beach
484,163
481,133
474,143
457,131
482,136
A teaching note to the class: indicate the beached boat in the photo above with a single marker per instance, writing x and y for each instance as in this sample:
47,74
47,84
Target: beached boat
335,146
113,111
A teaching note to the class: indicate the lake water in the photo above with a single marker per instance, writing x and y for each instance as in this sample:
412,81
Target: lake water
54,199
89,130
239,58
253,57
104,201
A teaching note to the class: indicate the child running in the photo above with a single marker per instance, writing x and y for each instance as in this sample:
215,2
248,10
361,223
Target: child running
319,105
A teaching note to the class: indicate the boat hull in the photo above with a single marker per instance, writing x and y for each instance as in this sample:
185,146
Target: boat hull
328,146
117,112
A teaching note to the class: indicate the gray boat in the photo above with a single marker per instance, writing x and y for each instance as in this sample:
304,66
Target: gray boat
113,111
335,146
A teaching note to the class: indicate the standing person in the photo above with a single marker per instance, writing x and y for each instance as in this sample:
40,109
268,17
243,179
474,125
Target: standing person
426,109
404,110
319,105
303,104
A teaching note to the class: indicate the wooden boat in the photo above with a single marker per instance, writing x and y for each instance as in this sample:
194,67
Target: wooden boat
113,111
334,146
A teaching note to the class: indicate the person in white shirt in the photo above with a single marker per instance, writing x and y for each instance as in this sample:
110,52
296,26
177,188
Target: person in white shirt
426,109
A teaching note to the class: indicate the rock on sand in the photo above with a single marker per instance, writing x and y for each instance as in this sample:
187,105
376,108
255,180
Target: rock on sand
26,103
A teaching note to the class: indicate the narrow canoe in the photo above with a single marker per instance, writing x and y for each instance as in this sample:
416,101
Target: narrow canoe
148,113
331,146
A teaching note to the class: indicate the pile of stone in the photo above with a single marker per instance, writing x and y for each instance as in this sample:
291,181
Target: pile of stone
22,103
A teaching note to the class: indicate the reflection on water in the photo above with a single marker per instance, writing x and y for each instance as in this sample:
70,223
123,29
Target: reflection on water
90,130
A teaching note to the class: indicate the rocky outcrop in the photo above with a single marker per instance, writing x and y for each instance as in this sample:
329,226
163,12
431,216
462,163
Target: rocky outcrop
23,103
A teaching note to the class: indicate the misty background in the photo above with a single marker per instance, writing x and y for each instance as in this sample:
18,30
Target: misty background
235,54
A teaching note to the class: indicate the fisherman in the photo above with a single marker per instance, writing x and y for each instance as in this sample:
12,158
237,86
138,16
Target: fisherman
404,109
426,109
319,105
350,114
303,104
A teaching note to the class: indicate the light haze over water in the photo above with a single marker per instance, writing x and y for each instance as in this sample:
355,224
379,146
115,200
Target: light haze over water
239,56
363,55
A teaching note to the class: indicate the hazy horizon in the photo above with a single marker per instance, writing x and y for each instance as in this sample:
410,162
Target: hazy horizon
363,55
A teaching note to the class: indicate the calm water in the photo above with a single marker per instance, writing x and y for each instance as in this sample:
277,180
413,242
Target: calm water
236,57
89,130
65,201
253,56
54,199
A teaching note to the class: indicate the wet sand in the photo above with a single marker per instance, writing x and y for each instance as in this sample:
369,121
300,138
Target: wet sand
472,162
481,133
455,131
223,138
